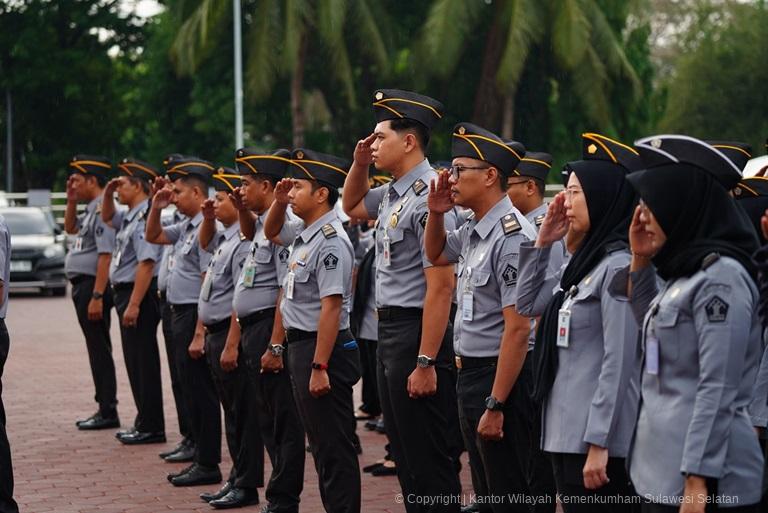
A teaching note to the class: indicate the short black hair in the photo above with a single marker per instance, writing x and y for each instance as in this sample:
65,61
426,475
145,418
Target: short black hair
100,179
540,185
503,180
410,125
266,178
333,193
194,181
142,183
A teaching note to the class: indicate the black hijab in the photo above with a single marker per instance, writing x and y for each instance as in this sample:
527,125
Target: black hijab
698,217
610,202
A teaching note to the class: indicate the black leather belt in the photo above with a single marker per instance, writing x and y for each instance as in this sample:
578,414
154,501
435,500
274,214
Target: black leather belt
294,335
184,307
75,280
118,287
217,327
161,295
253,318
387,313
469,362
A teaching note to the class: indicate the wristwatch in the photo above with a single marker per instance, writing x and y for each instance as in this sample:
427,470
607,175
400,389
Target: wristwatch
276,349
97,295
319,366
493,404
423,361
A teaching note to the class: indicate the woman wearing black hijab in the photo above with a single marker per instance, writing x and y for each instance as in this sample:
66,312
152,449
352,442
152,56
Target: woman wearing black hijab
694,448
586,347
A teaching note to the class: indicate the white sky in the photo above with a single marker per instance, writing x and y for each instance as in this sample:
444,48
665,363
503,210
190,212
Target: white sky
143,8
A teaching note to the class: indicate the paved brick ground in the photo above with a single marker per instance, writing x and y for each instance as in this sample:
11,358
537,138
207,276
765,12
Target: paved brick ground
47,385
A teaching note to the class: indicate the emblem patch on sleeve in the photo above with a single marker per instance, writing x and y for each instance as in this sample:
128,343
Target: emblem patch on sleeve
283,255
716,309
99,231
423,220
509,275
330,262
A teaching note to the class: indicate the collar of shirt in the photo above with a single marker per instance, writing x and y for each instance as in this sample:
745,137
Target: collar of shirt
230,231
484,226
92,205
315,227
261,217
402,184
132,213
195,221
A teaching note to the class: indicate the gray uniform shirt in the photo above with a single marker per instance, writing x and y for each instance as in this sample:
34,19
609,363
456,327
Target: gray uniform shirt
165,271
94,237
693,416
130,245
5,264
400,209
229,252
758,408
320,265
258,283
487,252
595,394
189,261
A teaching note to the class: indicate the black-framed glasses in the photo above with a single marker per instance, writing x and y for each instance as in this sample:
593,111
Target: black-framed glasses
456,170
510,184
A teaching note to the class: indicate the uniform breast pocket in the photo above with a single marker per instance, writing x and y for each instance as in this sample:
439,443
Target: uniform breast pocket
585,310
480,278
301,288
395,235
665,327
263,256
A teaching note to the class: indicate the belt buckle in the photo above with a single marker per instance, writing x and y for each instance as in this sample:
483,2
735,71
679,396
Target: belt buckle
457,361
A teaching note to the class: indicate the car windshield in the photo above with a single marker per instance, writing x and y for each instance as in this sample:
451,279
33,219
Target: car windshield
27,222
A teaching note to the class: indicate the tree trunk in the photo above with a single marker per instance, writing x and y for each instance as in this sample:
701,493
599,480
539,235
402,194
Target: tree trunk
297,94
508,116
486,106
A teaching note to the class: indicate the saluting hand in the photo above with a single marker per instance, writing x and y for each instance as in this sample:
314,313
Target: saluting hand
236,197
640,240
363,154
209,212
319,384
71,189
282,189
491,426
111,187
440,198
555,224
157,184
162,198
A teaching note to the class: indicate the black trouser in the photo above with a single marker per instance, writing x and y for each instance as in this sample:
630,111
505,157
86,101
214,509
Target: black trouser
199,392
273,407
503,464
569,477
711,507
170,354
243,440
142,358
421,431
329,420
370,392
540,476
98,343
7,504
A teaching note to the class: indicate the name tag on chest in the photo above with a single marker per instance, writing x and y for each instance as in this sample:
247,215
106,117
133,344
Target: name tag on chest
652,355
563,327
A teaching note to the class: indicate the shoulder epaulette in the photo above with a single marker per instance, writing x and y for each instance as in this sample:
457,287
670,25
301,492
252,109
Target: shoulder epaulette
510,224
539,219
709,260
419,186
329,231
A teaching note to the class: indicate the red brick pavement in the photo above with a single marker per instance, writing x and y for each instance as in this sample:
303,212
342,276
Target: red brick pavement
47,385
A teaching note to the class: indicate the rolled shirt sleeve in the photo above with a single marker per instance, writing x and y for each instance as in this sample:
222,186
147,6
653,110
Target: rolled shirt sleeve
534,287
372,200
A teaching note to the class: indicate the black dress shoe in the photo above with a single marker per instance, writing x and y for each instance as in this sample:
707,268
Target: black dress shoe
218,494
386,469
236,498
198,475
373,466
177,448
143,437
183,471
184,454
124,432
80,421
98,421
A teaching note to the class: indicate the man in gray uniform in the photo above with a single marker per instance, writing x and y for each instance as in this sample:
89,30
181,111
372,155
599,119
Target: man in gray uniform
7,504
132,273
87,267
415,350
323,359
262,337
191,177
490,337
222,339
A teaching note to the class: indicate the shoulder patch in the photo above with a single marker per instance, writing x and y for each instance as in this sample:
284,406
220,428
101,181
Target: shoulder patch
329,231
423,219
99,231
509,275
716,309
330,262
419,186
709,260
510,224
539,219
283,255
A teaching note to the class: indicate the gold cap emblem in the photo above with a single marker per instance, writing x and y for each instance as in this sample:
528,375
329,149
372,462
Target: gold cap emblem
462,130
379,95
591,149
299,154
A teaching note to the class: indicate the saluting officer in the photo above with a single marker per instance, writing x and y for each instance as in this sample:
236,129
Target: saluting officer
222,339
694,447
87,267
490,336
191,177
323,358
133,275
262,339
586,368
415,350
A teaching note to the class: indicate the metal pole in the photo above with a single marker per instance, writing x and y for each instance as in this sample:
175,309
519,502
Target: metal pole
238,74
8,142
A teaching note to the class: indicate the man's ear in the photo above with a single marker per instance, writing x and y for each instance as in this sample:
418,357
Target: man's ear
492,176
321,194
410,141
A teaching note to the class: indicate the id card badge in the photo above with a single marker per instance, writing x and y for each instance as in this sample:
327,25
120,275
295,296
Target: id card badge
467,306
563,327
249,275
171,261
387,254
652,355
79,244
205,292
117,258
289,285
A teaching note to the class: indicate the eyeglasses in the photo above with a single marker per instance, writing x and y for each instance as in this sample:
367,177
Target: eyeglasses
570,193
510,184
456,170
